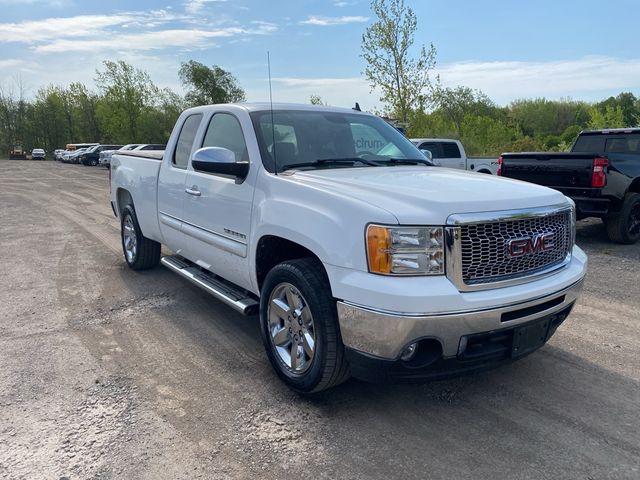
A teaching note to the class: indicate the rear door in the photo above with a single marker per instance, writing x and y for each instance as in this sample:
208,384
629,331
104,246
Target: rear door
218,217
171,184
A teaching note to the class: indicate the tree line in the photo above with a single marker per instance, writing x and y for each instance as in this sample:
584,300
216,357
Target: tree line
126,108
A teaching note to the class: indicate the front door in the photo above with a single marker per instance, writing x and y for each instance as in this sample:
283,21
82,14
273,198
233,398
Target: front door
217,214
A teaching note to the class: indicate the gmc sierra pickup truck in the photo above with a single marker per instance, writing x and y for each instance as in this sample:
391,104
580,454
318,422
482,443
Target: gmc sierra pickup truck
601,174
359,256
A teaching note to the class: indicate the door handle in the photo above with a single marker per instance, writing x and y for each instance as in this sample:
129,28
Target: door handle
193,191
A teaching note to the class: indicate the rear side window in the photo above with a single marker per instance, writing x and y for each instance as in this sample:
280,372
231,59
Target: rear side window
185,140
225,131
450,150
626,144
589,144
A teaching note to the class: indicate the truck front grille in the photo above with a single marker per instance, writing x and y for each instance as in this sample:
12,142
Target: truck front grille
508,248
485,255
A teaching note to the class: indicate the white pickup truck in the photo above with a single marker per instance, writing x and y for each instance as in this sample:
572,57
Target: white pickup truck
359,256
450,153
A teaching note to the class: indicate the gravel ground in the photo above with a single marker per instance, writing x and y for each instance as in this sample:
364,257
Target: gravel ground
108,373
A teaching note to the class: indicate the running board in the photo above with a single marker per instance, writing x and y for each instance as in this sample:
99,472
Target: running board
221,289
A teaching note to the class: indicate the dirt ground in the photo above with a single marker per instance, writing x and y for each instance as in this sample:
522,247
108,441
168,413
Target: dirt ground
109,373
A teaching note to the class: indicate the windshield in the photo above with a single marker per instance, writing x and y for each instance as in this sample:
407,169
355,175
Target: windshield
311,137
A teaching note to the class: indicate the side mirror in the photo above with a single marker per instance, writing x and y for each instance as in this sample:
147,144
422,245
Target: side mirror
427,154
219,160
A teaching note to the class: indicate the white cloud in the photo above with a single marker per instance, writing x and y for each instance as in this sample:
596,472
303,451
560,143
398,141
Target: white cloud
51,28
343,92
194,6
48,3
11,63
98,32
581,78
330,21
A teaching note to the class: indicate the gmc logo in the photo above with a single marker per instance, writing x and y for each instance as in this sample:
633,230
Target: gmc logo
519,247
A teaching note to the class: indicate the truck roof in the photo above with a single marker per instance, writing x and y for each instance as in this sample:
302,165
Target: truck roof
433,140
606,131
266,106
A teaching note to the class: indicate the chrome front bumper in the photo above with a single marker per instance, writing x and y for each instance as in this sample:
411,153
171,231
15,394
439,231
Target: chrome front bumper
384,334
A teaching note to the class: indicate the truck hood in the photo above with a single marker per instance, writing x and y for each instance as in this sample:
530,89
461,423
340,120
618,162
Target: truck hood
428,195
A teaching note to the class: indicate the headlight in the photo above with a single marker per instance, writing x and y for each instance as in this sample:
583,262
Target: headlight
405,250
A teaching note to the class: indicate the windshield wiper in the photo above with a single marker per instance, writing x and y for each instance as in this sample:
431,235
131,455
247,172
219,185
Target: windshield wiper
407,161
331,161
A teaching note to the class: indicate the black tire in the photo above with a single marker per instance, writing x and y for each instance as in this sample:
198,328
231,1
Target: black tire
624,226
94,162
147,251
329,366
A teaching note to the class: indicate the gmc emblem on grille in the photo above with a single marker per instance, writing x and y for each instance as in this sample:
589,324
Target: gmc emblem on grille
519,247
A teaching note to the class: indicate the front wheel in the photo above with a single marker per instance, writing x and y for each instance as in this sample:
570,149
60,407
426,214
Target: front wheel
299,326
624,226
140,252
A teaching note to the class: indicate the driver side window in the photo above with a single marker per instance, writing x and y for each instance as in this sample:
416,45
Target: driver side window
224,131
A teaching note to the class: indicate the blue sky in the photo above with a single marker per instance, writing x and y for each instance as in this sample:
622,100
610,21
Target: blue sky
509,49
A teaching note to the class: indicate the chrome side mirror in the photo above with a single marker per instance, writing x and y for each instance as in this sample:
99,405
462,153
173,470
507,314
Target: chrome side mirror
219,160
427,154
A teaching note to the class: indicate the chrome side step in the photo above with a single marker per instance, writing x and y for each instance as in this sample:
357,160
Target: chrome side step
216,286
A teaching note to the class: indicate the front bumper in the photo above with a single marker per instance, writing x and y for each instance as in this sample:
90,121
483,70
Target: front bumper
384,335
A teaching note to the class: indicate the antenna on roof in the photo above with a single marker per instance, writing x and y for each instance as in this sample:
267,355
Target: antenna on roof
273,128
357,107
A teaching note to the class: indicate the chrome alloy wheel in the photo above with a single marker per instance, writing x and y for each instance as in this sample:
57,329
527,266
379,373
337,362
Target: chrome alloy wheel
291,328
130,239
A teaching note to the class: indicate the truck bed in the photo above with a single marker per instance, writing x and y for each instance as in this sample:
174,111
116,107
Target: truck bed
148,154
556,170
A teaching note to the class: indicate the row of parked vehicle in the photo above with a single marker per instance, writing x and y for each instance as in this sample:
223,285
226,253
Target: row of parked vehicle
94,154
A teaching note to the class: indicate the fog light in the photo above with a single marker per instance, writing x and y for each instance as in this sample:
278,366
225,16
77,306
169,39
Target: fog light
409,352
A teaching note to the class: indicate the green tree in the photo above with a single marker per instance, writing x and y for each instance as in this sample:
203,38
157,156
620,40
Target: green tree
127,94
611,117
316,100
456,103
386,50
209,85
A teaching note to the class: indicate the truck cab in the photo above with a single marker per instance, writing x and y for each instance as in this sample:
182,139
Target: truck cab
450,153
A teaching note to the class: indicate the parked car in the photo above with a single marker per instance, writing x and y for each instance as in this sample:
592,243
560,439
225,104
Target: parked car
17,152
57,154
601,174
92,155
451,154
38,154
105,155
74,156
359,260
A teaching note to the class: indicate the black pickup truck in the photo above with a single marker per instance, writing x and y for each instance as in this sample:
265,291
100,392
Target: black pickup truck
601,174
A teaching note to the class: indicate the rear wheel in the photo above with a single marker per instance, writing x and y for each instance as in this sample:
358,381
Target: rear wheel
299,325
624,226
140,252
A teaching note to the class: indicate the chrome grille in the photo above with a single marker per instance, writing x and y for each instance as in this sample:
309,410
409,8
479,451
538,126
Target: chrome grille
484,250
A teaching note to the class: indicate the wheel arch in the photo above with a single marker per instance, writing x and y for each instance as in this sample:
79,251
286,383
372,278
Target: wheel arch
635,186
123,197
272,250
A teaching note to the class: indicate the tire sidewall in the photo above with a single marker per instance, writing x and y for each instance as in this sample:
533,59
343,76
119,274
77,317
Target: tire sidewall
128,211
307,381
633,200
